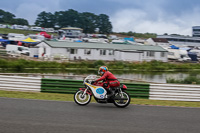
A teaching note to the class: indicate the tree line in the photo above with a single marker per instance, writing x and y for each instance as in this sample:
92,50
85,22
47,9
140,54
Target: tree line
139,35
89,22
9,18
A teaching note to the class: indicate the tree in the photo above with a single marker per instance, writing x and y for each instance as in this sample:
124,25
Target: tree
45,19
104,25
20,21
68,18
9,18
130,33
88,22
6,17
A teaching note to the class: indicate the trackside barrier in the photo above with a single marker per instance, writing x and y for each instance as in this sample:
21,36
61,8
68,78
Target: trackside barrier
138,90
61,85
153,91
177,92
20,83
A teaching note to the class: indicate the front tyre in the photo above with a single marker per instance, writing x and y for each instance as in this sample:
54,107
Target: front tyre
81,99
125,99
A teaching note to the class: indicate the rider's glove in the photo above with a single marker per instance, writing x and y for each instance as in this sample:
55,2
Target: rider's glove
93,82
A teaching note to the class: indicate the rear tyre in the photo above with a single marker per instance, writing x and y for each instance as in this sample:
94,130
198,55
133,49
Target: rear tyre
122,103
81,99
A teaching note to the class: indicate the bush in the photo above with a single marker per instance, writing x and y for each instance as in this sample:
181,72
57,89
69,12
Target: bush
188,80
98,63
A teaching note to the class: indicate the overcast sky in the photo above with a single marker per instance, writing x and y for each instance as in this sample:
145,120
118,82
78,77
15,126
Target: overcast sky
141,16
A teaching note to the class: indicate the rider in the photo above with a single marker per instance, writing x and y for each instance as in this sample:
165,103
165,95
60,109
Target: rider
109,80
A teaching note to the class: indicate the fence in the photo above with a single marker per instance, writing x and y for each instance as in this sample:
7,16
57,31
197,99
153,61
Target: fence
177,92
138,90
20,83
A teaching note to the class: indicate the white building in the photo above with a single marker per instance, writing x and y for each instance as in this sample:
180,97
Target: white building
99,51
196,31
181,41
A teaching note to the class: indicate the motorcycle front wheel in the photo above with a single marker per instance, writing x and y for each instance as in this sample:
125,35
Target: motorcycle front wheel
122,99
81,99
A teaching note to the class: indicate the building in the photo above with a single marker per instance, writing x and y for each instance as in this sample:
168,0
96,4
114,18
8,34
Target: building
181,41
196,31
71,32
99,51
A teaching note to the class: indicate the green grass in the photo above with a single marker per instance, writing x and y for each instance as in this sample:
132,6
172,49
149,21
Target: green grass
22,64
69,97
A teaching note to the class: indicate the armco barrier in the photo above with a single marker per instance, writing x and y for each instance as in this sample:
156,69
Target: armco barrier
177,92
138,90
20,83
61,85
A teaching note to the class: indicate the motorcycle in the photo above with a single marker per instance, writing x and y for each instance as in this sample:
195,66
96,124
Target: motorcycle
119,98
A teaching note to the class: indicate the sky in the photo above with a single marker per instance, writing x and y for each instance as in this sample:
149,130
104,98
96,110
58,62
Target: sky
140,16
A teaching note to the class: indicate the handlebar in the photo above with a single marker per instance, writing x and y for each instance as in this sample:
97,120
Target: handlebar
90,77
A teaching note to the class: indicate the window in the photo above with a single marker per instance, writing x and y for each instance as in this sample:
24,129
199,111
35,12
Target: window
102,52
170,53
87,51
73,51
20,48
150,53
111,52
162,54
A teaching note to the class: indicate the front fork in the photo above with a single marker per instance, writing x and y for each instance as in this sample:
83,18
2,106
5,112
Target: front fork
84,92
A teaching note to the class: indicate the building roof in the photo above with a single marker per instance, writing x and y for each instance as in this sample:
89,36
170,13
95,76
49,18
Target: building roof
71,28
124,47
160,40
178,37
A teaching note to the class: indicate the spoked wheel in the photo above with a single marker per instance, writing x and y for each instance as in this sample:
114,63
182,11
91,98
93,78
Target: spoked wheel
122,99
81,99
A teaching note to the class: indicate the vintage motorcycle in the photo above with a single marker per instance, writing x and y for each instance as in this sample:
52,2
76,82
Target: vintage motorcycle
120,98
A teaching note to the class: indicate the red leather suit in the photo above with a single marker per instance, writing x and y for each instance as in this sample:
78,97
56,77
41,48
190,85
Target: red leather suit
110,79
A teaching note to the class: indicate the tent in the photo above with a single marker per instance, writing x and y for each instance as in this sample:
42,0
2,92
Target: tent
4,40
78,41
28,40
174,47
45,34
129,39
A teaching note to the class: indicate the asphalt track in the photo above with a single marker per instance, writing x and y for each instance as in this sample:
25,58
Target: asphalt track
38,116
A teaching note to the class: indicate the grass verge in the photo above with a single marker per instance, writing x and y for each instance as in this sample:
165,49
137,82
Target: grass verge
69,97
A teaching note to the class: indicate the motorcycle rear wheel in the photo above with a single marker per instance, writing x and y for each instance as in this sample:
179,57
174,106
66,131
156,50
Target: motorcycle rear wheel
122,103
82,99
